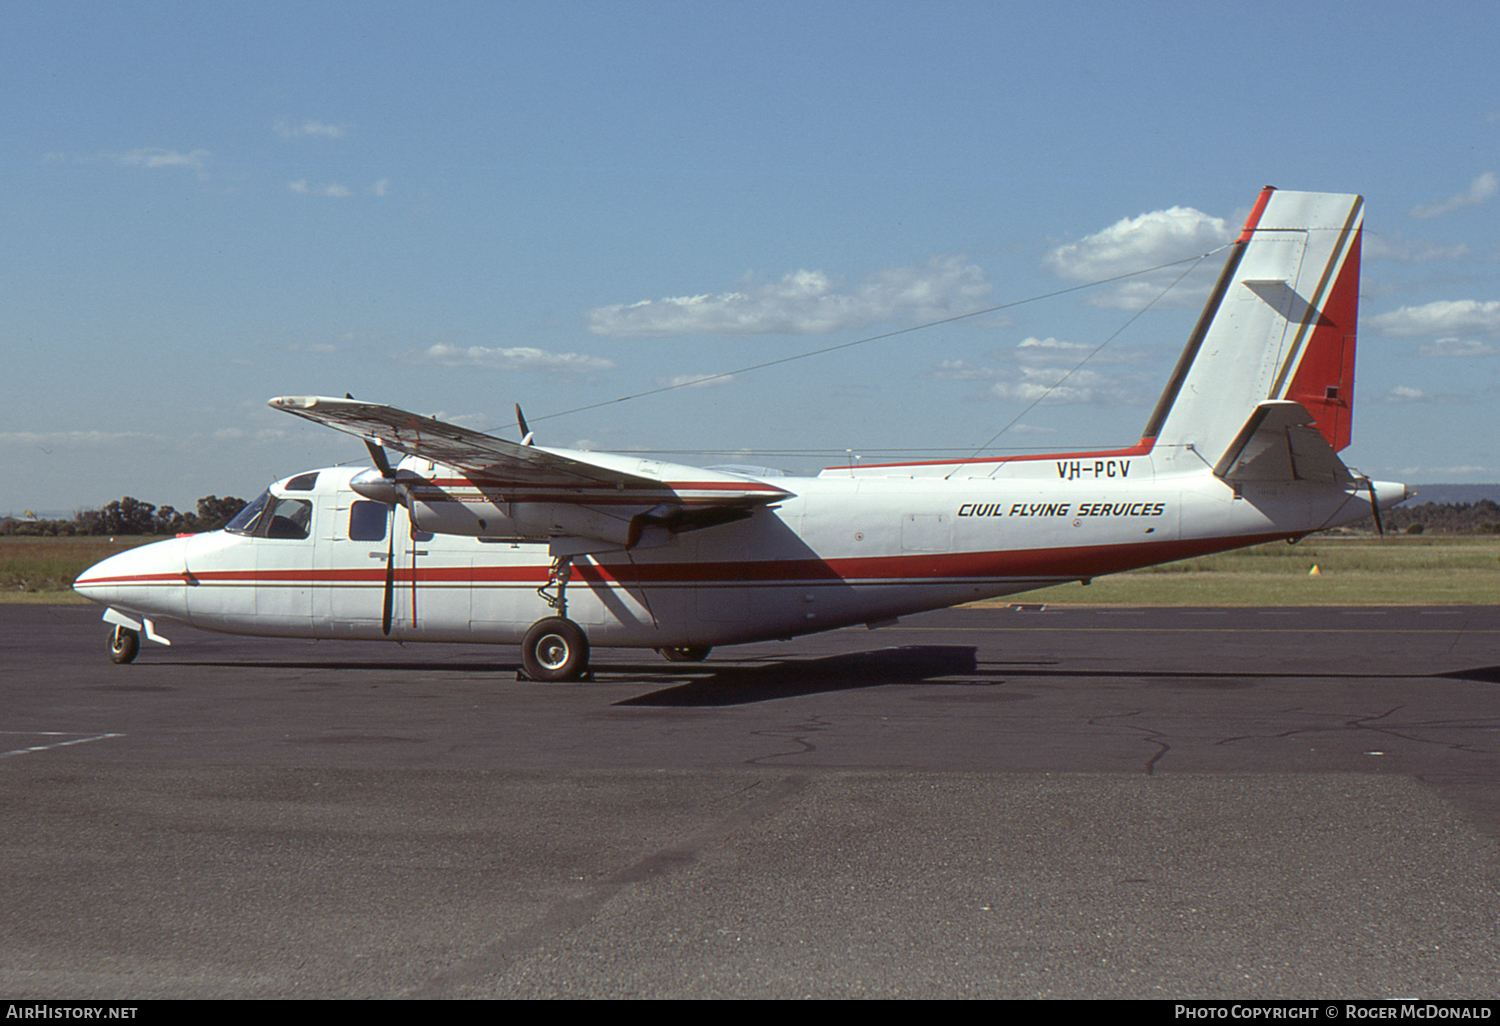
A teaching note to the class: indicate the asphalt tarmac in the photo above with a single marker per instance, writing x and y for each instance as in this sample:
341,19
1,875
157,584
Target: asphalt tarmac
1173,803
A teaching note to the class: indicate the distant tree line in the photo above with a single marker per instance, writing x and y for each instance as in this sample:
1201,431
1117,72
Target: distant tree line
1482,517
131,516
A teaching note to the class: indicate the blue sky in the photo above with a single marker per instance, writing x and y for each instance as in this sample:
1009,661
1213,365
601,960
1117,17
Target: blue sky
454,207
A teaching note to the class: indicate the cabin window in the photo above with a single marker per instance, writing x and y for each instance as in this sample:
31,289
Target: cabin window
302,482
367,521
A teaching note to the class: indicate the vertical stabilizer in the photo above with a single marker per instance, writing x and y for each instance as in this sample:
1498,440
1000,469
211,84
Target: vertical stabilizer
1279,325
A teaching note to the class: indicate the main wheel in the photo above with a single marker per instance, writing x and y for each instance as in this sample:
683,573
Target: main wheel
555,649
124,644
686,654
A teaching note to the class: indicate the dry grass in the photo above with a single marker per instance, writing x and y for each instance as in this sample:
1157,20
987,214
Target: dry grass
43,569
1353,571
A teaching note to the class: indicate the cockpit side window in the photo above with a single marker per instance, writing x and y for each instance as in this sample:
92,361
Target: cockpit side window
273,517
290,518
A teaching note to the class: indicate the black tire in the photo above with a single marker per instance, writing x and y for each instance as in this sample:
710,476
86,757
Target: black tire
124,645
555,649
686,653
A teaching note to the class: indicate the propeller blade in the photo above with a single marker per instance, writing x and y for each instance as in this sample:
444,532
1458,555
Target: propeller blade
1375,508
390,573
412,532
377,453
526,432
1360,481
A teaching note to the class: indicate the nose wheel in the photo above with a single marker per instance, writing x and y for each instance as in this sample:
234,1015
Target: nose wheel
124,645
555,649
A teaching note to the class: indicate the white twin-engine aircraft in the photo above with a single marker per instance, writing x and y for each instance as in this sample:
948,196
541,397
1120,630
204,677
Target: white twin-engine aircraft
506,542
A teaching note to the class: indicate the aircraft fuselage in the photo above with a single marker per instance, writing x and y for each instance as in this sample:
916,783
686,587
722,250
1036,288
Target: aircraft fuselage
842,549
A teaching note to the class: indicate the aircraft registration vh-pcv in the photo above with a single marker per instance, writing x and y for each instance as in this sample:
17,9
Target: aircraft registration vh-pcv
557,550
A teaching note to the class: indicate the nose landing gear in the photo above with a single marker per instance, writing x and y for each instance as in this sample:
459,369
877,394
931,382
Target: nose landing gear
124,644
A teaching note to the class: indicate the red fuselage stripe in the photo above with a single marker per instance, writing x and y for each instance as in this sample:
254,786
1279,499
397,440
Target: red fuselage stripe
1075,562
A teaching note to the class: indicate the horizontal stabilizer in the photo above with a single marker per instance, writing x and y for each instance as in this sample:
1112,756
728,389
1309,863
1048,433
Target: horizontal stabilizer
1280,443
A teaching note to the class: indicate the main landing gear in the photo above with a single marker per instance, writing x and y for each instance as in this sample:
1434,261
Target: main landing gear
555,648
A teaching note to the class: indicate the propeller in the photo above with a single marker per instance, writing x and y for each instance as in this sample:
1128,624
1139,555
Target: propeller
398,495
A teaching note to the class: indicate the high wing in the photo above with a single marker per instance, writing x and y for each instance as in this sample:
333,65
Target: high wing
579,501
472,451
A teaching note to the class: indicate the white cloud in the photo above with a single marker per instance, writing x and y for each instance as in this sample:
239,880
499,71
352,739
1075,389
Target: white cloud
805,303
309,129
1051,370
1457,347
697,380
1404,394
334,191
1135,243
521,358
49,440
1444,317
1050,350
1410,251
237,435
1480,189
152,157
962,370
1082,386
1407,394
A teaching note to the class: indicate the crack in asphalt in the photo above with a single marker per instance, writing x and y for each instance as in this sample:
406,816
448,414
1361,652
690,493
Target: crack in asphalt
797,735
571,914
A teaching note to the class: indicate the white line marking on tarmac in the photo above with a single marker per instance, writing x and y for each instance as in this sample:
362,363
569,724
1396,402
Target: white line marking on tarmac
54,744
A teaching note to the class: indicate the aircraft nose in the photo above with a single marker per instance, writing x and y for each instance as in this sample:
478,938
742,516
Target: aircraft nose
149,579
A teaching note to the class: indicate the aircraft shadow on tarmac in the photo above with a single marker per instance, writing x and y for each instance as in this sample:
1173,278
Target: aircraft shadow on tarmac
745,683
771,678
780,678
1479,674
710,683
